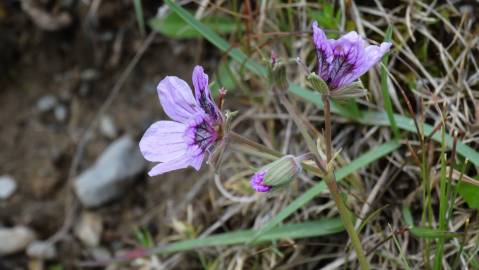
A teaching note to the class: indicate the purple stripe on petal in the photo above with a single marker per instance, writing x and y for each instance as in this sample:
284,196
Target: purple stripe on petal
324,55
203,93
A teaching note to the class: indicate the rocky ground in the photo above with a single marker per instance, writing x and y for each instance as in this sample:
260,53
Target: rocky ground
59,63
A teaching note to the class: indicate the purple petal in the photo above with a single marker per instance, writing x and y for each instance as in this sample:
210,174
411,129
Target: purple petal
175,164
197,161
163,141
372,55
348,57
258,184
203,93
324,54
177,99
352,37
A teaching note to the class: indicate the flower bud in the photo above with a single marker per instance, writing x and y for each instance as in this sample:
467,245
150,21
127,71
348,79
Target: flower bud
317,83
276,174
353,90
277,73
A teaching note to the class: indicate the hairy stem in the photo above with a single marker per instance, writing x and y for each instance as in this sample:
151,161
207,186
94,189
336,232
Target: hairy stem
333,189
237,138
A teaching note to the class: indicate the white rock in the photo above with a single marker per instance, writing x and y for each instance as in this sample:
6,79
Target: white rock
41,250
112,173
89,229
13,240
46,103
107,127
7,186
60,113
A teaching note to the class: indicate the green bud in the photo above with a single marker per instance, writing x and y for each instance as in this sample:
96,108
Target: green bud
281,171
278,75
317,83
354,90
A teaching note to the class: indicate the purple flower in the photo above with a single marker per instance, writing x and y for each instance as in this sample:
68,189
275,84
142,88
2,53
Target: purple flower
257,182
342,61
184,141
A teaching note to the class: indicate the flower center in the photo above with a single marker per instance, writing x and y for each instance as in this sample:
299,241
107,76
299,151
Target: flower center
200,133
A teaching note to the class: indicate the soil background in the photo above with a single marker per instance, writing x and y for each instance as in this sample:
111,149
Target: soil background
77,64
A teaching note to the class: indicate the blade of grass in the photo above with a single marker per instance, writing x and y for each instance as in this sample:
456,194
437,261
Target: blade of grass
217,40
358,163
426,232
380,119
290,231
139,16
442,203
385,90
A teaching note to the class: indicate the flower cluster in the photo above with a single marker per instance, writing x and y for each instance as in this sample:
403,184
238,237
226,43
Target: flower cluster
194,130
342,61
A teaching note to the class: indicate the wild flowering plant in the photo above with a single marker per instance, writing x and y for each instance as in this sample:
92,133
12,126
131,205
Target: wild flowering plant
197,123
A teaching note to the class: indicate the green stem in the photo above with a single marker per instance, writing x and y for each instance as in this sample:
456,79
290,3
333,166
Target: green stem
245,141
333,189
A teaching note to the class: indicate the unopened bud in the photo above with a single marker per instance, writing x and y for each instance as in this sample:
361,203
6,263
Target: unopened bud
277,72
317,83
277,173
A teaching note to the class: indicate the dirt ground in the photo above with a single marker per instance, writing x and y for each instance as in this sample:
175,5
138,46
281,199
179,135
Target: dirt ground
78,65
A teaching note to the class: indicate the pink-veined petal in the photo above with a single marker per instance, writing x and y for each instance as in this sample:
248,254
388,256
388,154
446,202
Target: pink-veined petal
177,99
197,161
163,141
324,54
203,93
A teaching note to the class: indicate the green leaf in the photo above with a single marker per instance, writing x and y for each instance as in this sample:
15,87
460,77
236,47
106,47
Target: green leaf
426,232
326,17
470,193
139,16
385,89
290,231
381,119
174,26
217,40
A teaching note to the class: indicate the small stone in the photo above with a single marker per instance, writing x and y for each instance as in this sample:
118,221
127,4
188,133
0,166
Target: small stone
111,174
46,103
60,113
7,186
89,75
15,239
107,127
89,229
41,250
100,254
